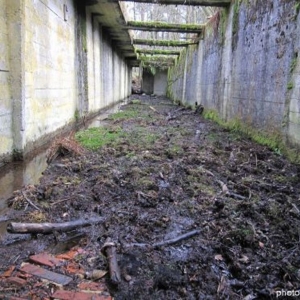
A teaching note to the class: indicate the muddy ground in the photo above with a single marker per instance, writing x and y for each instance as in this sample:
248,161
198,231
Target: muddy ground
169,173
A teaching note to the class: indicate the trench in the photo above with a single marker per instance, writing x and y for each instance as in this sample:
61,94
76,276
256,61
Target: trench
15,175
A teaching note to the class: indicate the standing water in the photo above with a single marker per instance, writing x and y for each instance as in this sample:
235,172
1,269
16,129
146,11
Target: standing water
14,176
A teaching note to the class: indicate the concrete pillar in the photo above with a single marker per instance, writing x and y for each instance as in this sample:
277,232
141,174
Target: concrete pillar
184,76
227,65
16,37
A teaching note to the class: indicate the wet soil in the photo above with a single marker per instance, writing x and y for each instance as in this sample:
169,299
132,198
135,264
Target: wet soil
171,172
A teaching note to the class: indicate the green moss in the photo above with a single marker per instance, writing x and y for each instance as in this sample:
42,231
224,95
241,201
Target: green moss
297,7
272,139
293,64
135,101
290,85
157,52
235,19
76,115
163,25
125,114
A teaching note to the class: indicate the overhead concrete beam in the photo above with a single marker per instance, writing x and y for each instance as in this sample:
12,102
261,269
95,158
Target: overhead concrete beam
167,27
217,3
165,43
157,51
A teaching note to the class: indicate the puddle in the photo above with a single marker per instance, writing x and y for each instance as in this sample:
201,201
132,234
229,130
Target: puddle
15,175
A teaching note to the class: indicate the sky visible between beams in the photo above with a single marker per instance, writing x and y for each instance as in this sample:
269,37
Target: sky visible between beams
179,14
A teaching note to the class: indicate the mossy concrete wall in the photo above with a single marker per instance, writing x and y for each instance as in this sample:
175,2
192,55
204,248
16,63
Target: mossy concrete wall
247,67
57,67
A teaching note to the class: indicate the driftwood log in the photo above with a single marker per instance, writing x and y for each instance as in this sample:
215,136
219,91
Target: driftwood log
109,249
50,227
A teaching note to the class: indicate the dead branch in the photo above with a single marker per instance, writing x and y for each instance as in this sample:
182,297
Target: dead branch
50,227
109,249
30,202
155,110
167,242
177,239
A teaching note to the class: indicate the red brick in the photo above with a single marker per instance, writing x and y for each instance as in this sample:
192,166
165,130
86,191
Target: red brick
45,259
69,295
46,274
16,281
92,286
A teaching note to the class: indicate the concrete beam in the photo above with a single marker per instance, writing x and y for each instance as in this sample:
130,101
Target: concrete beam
161,26
165,43
156,51
217,3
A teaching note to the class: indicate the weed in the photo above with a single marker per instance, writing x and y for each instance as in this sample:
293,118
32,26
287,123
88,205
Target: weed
125,114
135,101
95,138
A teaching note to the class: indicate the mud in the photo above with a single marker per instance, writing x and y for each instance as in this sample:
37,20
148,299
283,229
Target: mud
171,172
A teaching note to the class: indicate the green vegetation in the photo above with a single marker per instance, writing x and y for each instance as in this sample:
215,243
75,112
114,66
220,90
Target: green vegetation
96,137
235,20
169,43
297,7
272,139
157,52
293,64
135,101
76,115
125,114
290,85
163,25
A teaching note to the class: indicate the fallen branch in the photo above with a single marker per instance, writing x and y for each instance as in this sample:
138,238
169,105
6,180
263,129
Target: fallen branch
167,242
109,249
151,107
50,227
30,202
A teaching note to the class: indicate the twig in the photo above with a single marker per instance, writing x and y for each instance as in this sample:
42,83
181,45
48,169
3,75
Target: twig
59,201
167,242
151,107
177,239
29,201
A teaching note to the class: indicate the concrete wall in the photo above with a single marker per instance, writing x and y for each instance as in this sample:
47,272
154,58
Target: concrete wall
56,66
247,67
160,83
6,135
147,82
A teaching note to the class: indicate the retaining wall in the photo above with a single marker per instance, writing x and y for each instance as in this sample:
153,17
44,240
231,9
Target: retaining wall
57,67
247,67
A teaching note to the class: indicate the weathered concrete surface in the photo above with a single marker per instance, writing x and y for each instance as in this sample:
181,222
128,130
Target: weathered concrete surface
247,67
57,67
6,138
147,82
160,83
